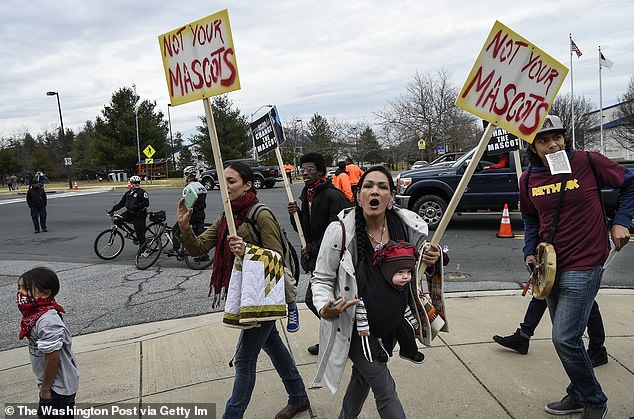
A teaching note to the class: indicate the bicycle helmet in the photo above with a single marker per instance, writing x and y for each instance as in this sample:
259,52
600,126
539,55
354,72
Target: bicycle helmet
135,179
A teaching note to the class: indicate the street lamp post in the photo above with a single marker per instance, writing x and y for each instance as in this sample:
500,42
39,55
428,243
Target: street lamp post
169,118
62,137
301,134
136,123
255,153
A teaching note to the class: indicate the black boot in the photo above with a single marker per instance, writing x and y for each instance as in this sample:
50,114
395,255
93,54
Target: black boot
517,341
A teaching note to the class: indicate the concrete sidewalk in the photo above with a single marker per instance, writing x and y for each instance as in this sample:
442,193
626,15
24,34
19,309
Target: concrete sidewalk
465,373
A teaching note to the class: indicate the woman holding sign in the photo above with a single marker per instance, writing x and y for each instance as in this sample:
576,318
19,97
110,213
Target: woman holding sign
581,245
242,195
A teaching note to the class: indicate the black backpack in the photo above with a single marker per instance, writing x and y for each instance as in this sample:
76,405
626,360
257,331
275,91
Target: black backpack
291,261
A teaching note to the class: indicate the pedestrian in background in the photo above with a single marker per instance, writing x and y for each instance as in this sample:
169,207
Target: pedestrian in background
581,245
341,180
50,342
320,204
355,174
345,277
288,168
36,200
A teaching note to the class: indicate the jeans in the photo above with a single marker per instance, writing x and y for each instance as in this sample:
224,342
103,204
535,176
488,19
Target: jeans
569,304
536,309
58,402
38,214
366,375
249,345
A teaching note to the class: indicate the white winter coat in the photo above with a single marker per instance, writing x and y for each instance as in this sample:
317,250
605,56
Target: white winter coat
334,275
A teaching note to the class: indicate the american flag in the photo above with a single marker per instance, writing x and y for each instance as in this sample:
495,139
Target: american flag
574,48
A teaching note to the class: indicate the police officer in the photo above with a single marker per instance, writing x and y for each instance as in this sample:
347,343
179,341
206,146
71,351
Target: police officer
135,201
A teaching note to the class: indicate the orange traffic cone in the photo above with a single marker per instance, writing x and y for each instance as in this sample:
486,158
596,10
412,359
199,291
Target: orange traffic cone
75,187
129,185
505,224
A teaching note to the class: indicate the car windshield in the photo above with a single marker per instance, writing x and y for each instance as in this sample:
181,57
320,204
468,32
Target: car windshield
465,156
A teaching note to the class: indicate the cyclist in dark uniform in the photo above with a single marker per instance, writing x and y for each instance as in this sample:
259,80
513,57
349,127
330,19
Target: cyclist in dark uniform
135,201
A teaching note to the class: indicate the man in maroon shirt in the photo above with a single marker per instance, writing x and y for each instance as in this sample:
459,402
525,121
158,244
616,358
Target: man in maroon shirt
581,244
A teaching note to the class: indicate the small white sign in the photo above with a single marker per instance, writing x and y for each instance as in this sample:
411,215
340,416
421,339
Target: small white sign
558,162
68,161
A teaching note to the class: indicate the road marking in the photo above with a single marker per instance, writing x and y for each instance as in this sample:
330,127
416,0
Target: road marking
50,196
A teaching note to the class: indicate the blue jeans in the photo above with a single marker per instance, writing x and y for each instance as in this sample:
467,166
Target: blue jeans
365,376
249,345
569,304
58,402
536,309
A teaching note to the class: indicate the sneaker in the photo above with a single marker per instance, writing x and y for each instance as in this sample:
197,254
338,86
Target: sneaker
595,412
37,231
45,230
564,407
314,349
416,358
516,341
598,356
292,325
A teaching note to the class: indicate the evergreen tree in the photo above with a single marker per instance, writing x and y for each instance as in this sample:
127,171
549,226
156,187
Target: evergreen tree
319,136
232,129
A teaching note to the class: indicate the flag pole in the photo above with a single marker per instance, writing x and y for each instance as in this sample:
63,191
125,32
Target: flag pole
601,106
572,98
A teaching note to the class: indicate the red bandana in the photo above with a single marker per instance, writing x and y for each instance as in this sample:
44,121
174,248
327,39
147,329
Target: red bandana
310,190
32,309
223,258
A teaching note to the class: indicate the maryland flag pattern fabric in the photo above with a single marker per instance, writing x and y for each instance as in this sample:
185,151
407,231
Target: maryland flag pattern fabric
256,289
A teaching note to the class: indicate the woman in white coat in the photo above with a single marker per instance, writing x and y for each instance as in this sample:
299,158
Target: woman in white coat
351,274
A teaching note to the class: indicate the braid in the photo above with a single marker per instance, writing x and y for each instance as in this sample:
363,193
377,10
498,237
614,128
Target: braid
363,244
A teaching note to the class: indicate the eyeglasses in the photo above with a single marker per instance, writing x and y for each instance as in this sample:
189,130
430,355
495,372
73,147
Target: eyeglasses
307,169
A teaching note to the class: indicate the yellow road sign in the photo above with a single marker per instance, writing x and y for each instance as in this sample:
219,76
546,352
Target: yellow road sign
149,151
149,161
421,144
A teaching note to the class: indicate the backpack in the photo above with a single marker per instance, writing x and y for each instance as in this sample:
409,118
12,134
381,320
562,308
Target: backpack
291,261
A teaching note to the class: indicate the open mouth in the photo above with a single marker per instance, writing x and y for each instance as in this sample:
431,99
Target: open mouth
374,202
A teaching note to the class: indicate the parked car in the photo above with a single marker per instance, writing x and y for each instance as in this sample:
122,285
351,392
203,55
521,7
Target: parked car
427,191
264,176
419,163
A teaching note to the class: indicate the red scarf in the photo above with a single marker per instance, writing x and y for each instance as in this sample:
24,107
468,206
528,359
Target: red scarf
310,190
223,258
32,309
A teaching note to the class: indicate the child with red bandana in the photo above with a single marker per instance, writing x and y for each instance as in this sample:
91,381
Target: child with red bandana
52,359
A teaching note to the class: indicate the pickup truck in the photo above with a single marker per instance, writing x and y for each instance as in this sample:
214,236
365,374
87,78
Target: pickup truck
264,176
428,190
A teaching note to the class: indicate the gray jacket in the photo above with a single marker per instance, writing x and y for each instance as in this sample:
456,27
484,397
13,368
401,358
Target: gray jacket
49,335
334,276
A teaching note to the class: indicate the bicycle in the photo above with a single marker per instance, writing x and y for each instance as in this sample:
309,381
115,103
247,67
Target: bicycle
148,254
109,243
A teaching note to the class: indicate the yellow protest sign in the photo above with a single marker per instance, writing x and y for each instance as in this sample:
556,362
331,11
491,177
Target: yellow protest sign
149,151
512,83
199,59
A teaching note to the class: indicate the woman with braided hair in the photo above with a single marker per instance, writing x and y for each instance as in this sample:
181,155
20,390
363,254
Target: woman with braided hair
343,276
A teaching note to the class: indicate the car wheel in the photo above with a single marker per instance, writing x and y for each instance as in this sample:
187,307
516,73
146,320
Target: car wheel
269,184
258,183
209,183
431,208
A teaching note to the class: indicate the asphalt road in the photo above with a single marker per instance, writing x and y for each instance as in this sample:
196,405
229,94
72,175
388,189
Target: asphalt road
100,295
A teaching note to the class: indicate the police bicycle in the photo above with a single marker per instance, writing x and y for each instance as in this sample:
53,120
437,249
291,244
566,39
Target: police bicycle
148,253
109,243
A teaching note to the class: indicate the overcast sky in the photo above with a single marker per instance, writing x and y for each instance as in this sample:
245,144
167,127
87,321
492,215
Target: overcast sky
342,59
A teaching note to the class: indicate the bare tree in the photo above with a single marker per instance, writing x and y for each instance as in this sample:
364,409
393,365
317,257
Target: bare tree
625,114
584,119
428,111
